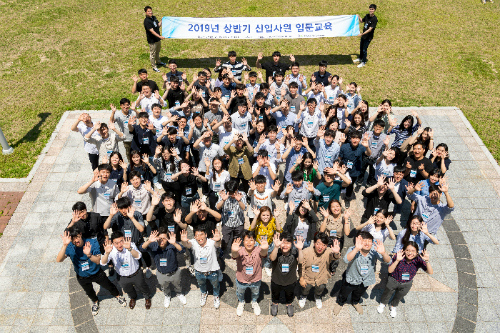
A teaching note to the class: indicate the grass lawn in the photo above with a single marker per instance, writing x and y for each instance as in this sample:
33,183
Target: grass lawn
70,55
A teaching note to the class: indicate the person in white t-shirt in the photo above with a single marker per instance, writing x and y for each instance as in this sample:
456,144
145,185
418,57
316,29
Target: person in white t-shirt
83,125
378,225
261,196
205,261
264,167
216,177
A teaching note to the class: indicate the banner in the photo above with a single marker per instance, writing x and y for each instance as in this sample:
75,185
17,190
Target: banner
260,27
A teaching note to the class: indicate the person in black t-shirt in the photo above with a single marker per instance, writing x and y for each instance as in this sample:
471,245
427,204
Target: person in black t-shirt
152,27
379,196
370,23
143,75
285,258
89,223
274,66
167,213
201,216
174,95
417,165
188,182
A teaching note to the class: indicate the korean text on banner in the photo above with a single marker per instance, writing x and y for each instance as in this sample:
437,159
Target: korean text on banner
260,27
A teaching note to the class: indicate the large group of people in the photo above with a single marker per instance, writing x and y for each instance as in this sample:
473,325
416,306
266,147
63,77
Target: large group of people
211,164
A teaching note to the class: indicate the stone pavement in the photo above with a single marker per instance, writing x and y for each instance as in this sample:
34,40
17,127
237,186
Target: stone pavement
40,295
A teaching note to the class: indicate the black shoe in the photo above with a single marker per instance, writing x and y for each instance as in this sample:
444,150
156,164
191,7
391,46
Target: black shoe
274,310
290,310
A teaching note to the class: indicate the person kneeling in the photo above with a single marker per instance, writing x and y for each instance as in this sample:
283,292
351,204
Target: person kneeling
125,257
249,268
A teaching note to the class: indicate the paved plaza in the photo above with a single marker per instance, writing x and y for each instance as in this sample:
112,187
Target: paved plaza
463,295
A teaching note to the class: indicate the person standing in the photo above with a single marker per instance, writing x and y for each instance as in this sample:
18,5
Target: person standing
154,38
370,23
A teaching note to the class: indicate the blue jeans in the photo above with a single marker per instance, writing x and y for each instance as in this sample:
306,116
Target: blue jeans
186,201
363,49
241,287
202,282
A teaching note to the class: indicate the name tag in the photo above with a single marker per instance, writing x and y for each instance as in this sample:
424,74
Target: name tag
310,123
163,262
413,173
326,198
138,203
249,270
330,98
204,261
349,165
109,152
283,127
333,233
203,94
216,186
107,196
364,269
126,122
328,157
300,232
425,216
177,103
169,174
375,211
158,132
84,265
285,268
292,108
278,97
189,191
241,160
400,142
315,268
244,125
187,148
405,276
127,233
234,72
230,213
125,265
145,141
171,228
261,117
296,202
374,144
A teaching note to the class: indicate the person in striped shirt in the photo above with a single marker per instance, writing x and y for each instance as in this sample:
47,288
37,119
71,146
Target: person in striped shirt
234,66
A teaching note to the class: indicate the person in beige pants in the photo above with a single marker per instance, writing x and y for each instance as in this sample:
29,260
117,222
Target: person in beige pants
152,27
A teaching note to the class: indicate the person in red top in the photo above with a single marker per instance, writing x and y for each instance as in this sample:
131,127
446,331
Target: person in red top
403,268
249,268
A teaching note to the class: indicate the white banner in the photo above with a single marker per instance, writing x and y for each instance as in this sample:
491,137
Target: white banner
260,27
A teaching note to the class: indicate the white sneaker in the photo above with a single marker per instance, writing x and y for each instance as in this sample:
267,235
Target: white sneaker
268,271
216,302
256,308
356,60
380,308
319,303
362,64
182,298
148,273
393,312
240,308
166,302
302,301
203,299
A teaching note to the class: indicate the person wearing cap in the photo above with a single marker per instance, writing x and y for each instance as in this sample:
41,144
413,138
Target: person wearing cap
272,67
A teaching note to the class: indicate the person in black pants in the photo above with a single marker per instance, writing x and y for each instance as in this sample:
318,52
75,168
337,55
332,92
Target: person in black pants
86,257
370,23
285,258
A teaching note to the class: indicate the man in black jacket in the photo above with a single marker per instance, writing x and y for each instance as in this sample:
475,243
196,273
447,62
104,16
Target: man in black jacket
152,27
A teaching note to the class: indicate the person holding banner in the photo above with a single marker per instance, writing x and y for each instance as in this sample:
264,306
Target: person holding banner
370,23
274,66
154,38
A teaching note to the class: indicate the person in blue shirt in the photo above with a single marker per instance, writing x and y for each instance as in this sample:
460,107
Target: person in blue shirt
292,153
332,185
86,256
327,150
351,155
164,249
362,259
